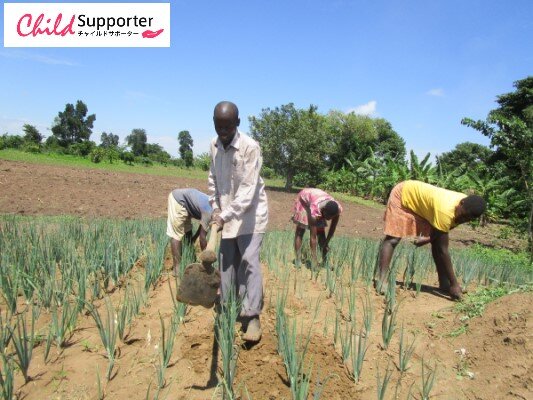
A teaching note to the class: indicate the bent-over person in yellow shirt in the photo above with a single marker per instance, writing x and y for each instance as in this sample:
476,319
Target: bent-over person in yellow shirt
429,213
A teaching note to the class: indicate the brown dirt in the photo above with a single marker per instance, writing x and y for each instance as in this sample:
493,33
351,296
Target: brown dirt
30,189
497,346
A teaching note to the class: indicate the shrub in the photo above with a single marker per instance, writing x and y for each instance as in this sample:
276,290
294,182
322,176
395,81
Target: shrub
97,155
267,172
203,161
127,157
31,147
342,181
81,149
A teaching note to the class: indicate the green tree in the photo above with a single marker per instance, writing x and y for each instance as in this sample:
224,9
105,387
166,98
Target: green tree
510,130
352,137
293,141
73,125
388,145
137,141
358,137
156,153
185,149
466,156
32,134
108,140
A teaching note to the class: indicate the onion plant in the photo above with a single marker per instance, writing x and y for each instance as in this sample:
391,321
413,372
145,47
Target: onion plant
428,380
7,378
406,351
107,330
359,348
388,324
225,335
383,381
23,342
168,336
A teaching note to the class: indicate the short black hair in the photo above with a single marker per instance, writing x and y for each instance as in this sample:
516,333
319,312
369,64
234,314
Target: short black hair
331,208
474,205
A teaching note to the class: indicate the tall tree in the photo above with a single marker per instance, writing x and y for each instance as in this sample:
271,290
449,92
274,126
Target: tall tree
467,155
137,141
510,129
32,134
185,149
293,141
73,125
109,140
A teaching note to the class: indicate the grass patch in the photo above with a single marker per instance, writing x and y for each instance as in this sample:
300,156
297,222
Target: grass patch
67,160
512,259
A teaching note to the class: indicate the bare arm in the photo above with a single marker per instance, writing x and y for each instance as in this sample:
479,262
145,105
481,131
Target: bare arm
203,237
332,228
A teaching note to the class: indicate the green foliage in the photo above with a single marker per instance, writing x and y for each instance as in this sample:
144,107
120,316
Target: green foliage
82,149
510,130
108,140
32,134
293,141
203,161
73,125
11,141
137,141
185,149
467,156
97,155
128,158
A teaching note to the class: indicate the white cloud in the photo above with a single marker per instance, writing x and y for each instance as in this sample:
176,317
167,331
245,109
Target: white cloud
368,109
437,92
36,58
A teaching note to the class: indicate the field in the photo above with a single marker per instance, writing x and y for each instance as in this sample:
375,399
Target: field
87,307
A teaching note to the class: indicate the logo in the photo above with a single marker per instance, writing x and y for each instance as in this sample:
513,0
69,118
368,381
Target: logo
86,24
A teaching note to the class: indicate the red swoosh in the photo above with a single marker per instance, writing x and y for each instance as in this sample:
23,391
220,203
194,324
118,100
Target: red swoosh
151,34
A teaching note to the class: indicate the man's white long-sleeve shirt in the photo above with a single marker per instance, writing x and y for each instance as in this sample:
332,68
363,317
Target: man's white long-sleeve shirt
236,188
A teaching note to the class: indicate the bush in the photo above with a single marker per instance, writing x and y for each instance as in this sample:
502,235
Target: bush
11,141
127,157
267,172
203,161
82,149
145,161
97,155
342,181
31,147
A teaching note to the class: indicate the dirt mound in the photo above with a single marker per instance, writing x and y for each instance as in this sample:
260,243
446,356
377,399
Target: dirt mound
498,349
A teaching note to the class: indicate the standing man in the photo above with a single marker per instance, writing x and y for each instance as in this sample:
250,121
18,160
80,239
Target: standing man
429,213
240,209
184,204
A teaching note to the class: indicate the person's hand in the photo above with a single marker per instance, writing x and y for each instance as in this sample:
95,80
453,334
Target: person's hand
218,221
216,212
421,241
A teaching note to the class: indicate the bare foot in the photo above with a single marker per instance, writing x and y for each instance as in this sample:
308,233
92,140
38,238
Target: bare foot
456,293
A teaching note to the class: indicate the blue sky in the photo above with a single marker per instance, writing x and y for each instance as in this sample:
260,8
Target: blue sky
422,65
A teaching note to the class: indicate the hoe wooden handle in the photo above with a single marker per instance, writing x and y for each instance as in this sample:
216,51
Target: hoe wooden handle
208,256
213,238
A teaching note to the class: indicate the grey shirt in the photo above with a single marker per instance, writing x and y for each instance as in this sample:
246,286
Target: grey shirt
196,203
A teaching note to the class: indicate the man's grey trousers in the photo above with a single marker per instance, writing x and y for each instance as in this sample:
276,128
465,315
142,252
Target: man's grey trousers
240,267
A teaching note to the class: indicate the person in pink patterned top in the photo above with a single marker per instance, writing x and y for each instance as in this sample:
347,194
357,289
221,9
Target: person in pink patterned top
312,209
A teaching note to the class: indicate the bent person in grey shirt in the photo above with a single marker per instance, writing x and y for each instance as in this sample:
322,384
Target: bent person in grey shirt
183,205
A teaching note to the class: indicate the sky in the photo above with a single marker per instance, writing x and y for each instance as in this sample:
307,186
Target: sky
421,65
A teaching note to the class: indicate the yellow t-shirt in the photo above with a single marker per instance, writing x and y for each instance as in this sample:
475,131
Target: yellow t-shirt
434,204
